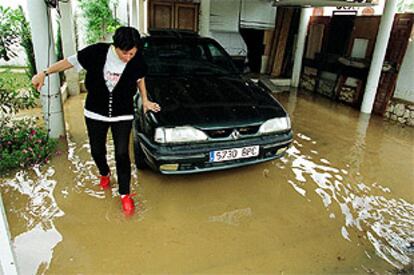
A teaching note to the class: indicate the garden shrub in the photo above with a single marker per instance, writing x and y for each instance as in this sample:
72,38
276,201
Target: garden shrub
99,19
23,143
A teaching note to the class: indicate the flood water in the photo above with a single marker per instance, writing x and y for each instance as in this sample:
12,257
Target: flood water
340,201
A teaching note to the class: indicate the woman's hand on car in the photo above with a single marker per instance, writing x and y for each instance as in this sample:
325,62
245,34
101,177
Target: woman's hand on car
151,106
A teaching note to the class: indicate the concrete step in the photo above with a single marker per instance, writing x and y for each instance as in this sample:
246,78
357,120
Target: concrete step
274,85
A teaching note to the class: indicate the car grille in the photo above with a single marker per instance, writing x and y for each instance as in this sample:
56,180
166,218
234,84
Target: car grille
226,132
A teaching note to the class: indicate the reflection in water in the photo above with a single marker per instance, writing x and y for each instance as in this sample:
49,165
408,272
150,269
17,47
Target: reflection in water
85,171
386,223
232,217
38,208
34,249
34,188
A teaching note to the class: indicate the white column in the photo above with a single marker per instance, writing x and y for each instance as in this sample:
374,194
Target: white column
44,49
300,45
140,6
378,56
7,259
68,44
204,24
145,15
134,13
122,12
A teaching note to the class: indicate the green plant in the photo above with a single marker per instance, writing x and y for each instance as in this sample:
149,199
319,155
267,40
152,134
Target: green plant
76,30
59,50
15,30
13,99
23,144
405,6
8,33
14,78
22,141
26,42
99,19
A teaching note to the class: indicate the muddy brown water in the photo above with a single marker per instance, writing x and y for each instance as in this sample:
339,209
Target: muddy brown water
340,201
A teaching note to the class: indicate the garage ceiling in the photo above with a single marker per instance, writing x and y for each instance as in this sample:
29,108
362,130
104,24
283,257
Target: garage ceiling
325,3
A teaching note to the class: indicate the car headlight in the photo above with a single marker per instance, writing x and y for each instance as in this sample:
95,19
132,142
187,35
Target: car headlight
178,134
275,125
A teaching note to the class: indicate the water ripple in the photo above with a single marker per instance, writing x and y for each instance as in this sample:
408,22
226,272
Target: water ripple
37,207
387,223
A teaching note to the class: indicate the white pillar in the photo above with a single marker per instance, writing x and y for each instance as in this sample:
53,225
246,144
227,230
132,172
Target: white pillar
204,24
44,49
145,15
134,13
378,56
7,260
122,12
68,45
140,6
300,45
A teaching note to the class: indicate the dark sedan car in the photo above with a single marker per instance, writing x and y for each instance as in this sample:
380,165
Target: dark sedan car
211,118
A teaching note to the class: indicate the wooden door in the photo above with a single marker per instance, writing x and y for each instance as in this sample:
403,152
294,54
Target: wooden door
318,30
366,28
161,15
283,24
397,46
173,14
186,16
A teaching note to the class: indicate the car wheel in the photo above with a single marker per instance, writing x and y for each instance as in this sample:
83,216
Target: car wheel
139,156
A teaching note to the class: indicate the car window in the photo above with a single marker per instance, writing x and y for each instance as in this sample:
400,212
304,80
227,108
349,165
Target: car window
169,56
218,57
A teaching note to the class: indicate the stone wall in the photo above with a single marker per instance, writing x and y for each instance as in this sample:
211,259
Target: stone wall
401,111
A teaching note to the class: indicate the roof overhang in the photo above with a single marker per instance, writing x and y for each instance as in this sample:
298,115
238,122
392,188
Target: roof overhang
325,3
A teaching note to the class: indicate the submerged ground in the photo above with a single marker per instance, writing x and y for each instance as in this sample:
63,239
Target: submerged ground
340,201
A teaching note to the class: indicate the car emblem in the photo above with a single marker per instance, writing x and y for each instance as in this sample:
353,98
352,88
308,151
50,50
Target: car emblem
235,134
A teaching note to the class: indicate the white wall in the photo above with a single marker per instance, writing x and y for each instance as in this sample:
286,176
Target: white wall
122,12
226,18
257,14
405,88
224,15
19,60
13,4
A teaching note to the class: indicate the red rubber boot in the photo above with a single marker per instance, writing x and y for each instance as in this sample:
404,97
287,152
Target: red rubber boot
105,181
128,204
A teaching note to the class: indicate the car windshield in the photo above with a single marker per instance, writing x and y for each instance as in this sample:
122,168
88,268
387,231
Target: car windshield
171,56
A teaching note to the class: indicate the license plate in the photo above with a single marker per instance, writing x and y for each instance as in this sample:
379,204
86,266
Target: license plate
234,153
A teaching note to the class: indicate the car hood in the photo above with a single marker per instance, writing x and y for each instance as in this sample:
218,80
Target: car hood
211,101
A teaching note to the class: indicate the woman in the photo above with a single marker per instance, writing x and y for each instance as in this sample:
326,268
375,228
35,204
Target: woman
113,73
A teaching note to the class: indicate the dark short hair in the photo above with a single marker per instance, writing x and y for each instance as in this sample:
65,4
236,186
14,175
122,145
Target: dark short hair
126,38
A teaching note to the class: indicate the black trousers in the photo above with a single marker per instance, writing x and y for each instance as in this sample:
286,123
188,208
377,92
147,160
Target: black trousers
121,130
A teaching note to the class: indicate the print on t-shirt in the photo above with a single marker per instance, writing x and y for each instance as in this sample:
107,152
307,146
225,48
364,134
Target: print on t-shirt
111,79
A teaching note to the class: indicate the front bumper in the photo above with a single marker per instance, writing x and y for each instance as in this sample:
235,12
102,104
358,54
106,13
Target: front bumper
195,158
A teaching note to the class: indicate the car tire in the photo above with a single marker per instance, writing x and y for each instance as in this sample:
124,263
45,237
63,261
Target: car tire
139,156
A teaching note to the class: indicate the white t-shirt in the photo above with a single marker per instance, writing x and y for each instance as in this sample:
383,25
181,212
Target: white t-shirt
113,69
112,72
